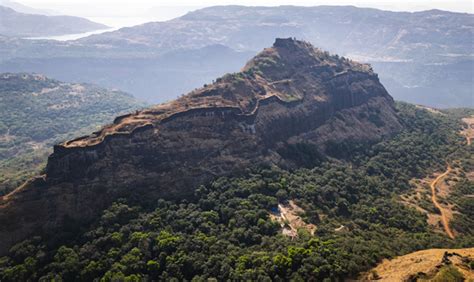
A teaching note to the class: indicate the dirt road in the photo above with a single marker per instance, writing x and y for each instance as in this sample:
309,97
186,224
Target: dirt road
444,219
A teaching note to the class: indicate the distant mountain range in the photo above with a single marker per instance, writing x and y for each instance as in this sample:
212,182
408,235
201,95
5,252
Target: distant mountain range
423,57
26,9
18,24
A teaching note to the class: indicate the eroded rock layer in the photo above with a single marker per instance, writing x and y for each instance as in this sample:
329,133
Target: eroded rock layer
289,95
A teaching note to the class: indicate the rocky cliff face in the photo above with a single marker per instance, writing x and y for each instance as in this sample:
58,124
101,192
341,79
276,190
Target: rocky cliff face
289,95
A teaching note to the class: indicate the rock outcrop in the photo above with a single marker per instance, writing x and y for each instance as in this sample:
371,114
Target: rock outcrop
289,95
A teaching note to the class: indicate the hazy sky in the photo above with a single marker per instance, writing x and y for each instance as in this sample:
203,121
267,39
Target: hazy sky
128,12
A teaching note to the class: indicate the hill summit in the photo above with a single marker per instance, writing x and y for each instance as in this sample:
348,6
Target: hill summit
291,105
285,73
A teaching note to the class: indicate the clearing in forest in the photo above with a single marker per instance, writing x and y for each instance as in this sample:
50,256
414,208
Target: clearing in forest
289,217
430,197
436,190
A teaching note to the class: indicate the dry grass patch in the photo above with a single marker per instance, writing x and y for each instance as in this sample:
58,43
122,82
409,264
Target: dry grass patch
426,265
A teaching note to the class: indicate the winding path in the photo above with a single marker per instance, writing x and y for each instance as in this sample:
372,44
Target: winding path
444,219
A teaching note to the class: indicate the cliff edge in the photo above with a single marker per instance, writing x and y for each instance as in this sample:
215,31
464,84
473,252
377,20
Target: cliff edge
289,96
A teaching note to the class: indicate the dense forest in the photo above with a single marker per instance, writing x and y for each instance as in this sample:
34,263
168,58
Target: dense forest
38,112
226,232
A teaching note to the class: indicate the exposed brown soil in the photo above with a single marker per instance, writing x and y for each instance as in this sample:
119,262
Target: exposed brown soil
434,191
290,219
444,214
426,263
440,189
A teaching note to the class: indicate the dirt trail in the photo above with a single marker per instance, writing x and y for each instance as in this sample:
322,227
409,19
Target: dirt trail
468,132
444,218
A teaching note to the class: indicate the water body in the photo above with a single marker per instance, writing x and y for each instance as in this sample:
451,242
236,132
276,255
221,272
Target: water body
115,23
74,36
118,20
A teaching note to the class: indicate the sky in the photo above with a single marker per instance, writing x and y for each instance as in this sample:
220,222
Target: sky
118,13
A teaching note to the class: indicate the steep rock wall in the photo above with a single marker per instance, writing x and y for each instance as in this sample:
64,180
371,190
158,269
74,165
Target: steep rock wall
290,93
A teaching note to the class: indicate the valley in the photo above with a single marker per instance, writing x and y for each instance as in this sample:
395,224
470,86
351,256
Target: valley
422,57
38,112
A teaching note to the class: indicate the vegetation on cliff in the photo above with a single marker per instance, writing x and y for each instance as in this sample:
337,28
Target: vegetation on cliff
225,230
294,112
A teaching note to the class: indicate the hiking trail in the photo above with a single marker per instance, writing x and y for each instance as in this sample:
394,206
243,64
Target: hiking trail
444,218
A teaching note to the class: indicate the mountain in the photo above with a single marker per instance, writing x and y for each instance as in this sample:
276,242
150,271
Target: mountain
422,57
299,167
289,97
394,36
38,112
17,24
25,9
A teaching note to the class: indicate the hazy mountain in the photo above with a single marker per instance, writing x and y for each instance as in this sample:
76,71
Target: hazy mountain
380,35
26,9
37,112
17,24
423,57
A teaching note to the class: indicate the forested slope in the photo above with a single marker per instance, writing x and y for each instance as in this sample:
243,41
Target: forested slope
37,112
225,230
